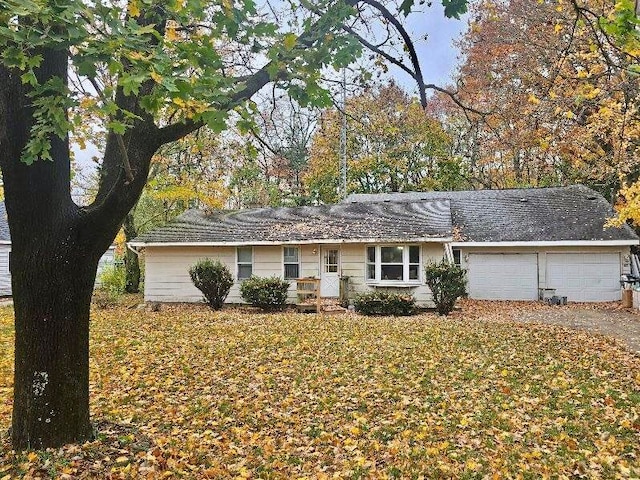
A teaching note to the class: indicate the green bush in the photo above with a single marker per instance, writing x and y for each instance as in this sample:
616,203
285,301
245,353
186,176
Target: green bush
267,293
447,282
384,303
112,279
213,279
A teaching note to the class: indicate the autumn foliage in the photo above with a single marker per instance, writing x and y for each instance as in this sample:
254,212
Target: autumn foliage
555,93
192,393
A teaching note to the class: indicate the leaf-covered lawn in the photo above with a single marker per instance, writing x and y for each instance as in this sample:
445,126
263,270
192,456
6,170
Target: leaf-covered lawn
188,393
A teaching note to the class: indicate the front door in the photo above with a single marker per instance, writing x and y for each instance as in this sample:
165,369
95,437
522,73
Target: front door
330,277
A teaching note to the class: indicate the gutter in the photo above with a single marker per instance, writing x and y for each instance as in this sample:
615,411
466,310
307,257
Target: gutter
325,241
550,243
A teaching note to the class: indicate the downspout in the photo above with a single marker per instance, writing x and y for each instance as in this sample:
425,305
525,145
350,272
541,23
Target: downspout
448,253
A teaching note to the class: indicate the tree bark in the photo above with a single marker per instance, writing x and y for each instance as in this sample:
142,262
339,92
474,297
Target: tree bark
131,262
52,294
54,259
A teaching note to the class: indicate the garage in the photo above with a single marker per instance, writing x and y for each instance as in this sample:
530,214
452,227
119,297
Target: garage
584,277
503,276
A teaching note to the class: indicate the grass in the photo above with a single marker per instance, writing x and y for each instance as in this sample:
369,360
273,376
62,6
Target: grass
188,393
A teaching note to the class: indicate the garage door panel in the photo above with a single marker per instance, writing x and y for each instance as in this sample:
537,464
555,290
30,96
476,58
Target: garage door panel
503,276
584,277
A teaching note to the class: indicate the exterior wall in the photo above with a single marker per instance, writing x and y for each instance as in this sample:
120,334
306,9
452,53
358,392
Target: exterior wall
542,256
5,274
167,270
353,265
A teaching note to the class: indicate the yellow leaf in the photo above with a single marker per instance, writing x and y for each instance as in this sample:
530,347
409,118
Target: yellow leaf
32,457
156,77
290,41
133,9
171,33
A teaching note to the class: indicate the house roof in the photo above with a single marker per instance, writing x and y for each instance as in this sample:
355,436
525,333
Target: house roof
4,224
574,213
396,221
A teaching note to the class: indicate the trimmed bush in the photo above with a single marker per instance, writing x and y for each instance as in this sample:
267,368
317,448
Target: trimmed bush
447,282
384,303
268,293
213,279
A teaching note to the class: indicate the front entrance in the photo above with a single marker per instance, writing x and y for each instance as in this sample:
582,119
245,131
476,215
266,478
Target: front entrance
330,274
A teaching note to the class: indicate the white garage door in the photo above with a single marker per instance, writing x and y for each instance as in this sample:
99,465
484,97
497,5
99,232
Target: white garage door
512,276
585,277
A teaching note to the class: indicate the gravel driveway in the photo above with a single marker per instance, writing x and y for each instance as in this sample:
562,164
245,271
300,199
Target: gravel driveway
605,319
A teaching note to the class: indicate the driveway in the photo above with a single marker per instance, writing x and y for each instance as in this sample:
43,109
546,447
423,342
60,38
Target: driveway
607,319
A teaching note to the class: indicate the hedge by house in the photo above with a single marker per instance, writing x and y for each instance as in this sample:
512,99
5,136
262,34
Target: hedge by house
384,303
267,293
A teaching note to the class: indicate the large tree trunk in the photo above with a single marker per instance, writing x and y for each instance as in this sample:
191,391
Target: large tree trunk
131,262
56,247
52,287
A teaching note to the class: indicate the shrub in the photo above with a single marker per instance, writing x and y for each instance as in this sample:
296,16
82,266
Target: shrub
267,293
112,278
384,303
213,279
447,282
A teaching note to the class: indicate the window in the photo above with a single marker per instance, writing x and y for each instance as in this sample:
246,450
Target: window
245,262
456,256
371,263
291,260
393,263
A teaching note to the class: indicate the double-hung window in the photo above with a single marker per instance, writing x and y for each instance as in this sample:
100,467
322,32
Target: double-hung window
393,263
245,262
291,261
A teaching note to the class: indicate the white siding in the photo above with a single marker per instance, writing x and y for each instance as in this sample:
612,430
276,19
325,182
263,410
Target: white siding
5,274
167,270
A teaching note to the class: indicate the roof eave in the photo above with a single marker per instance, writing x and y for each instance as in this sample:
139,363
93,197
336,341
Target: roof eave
326,241
551,243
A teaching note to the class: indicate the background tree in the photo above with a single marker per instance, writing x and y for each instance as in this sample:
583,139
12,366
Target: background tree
154,72
560,95
392,146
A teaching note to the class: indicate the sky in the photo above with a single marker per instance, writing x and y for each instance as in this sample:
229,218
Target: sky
438,58
437,55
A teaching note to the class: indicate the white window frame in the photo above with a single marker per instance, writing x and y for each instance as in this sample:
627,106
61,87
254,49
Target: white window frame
405,264
284,269
238,262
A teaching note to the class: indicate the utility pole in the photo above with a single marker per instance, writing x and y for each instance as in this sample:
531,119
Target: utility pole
343,137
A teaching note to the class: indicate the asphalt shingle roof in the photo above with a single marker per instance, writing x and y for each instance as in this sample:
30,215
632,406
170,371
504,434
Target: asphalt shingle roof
395,221
533,214
574,213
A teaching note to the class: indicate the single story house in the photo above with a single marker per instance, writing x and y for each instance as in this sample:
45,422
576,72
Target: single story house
513,243
5,254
